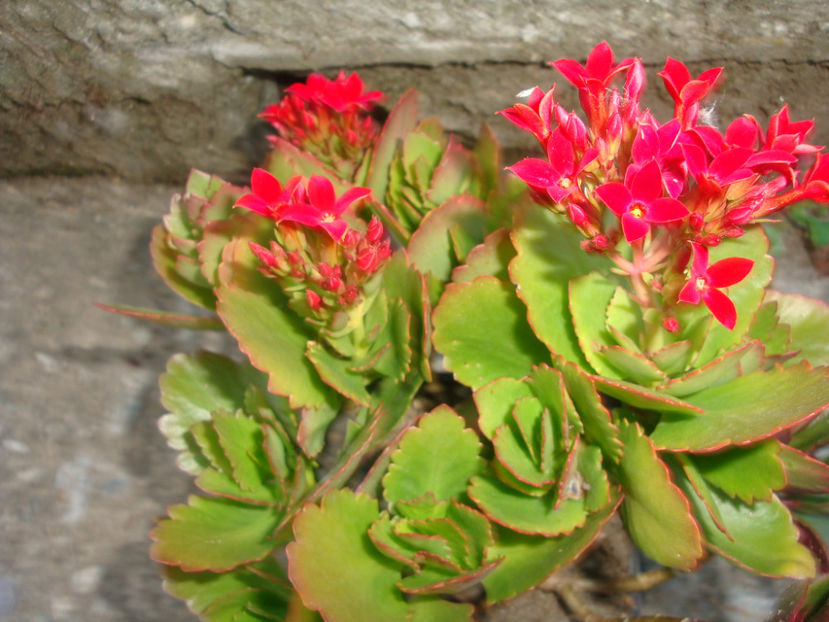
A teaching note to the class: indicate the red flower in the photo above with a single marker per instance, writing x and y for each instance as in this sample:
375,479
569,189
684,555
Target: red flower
685,91
321,208
595,75
639,202
557,175
536,115
705,283
267,196
343,93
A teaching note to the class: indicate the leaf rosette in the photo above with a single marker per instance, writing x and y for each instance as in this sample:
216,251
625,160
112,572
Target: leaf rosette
544,479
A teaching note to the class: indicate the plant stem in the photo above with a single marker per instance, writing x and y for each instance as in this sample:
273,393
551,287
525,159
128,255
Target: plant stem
617,585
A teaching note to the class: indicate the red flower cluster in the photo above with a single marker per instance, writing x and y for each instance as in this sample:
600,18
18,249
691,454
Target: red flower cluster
328,118
315,250
667,184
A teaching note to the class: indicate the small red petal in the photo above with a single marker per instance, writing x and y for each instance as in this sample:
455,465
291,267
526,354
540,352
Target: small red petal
535,172
265,185
616,196
729,271
321,193
689,293
349,197
634,228
721,307
256,204
665,210
646,184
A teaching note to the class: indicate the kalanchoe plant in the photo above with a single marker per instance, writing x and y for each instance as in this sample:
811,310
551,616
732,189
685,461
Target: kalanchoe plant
611,340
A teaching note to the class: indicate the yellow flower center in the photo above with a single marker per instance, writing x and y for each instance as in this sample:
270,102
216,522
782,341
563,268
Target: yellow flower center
638,210
701,283
565,183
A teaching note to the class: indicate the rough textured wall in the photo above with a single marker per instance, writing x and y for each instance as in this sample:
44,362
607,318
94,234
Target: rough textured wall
144,89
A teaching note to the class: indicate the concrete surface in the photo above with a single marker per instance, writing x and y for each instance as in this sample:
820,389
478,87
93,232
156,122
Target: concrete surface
83,469
145,89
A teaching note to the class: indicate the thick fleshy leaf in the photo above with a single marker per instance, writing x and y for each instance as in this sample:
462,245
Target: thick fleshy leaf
334,537
761,536
254,310
728,367
674,358
523,513
598,427
656,513
528,560
401,281
480,328
767,328
589,294
401,120
192,388
491,257
336,373
209,594
632,366
286,161
804,601
624,320
414,471
808,319
430,247
166,318
213,534
548,256
804,472
168,263
748,409
495,401
747,473
546,515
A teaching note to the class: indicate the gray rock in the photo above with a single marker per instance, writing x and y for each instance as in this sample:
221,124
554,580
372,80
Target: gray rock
146,89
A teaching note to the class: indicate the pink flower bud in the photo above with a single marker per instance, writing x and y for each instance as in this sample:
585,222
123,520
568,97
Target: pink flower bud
313,299
263,255
375,230
349,295
671,324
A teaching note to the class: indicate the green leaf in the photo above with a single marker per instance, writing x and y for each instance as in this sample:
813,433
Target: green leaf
480,328
808,319
528,560
213,534
804,601
589,294
430,247
256,314
746,295
401,281
336,373
804,472
674,357
624,320
207,593
657,515
642,397
750,408
414,469
495,400
545,515
401,120
192,388
632,365
491,257
748,473
331,539
761,536
549,254
768,329
728,367
166,263
165,318
598,427
286,161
